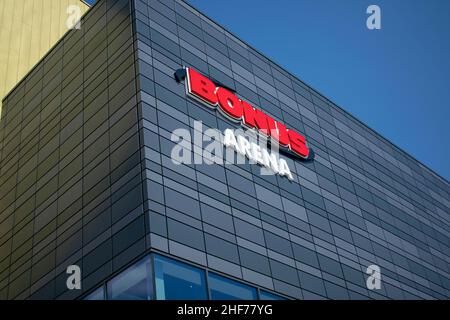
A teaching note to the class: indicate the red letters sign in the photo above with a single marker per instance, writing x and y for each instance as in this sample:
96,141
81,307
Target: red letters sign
206,91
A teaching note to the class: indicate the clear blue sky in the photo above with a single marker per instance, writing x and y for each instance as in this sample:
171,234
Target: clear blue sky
396,80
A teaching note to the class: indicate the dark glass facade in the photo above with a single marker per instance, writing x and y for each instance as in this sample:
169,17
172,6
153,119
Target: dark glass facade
87,178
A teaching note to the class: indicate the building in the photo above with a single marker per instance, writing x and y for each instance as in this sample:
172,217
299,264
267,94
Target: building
28,29
87,177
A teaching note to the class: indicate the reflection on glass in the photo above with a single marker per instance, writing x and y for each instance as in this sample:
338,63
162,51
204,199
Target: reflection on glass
264,295
132,284
175,280
227,289
89,2
98,294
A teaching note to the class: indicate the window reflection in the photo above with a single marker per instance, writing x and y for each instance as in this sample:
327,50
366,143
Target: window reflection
264,295
175,280
132,284
98,294
227,289
89,2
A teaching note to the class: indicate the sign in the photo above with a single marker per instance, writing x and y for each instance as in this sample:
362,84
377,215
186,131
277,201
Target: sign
208,93
257,154
204,90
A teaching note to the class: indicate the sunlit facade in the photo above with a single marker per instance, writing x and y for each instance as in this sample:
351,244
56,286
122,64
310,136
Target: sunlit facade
28,29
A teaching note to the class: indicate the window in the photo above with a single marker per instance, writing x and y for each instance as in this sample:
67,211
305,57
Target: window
169,279
175,280
90,3
264,295
226,289
98,294
132,284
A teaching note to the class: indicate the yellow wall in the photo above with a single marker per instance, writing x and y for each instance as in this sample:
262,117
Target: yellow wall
28,29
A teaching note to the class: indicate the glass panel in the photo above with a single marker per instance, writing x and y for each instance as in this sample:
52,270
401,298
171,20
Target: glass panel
264,295
98,294
227,289
176,280
90,2
133,283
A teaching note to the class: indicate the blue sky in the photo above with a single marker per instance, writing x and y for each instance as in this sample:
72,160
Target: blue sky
396,80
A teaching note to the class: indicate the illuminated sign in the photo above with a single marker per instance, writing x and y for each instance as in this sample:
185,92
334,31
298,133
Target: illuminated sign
204,90
257,154
207,92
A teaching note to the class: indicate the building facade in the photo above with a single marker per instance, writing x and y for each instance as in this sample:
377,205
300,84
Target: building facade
28,29
87,178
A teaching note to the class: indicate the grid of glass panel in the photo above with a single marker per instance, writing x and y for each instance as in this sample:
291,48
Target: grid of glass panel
73,154
362,201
